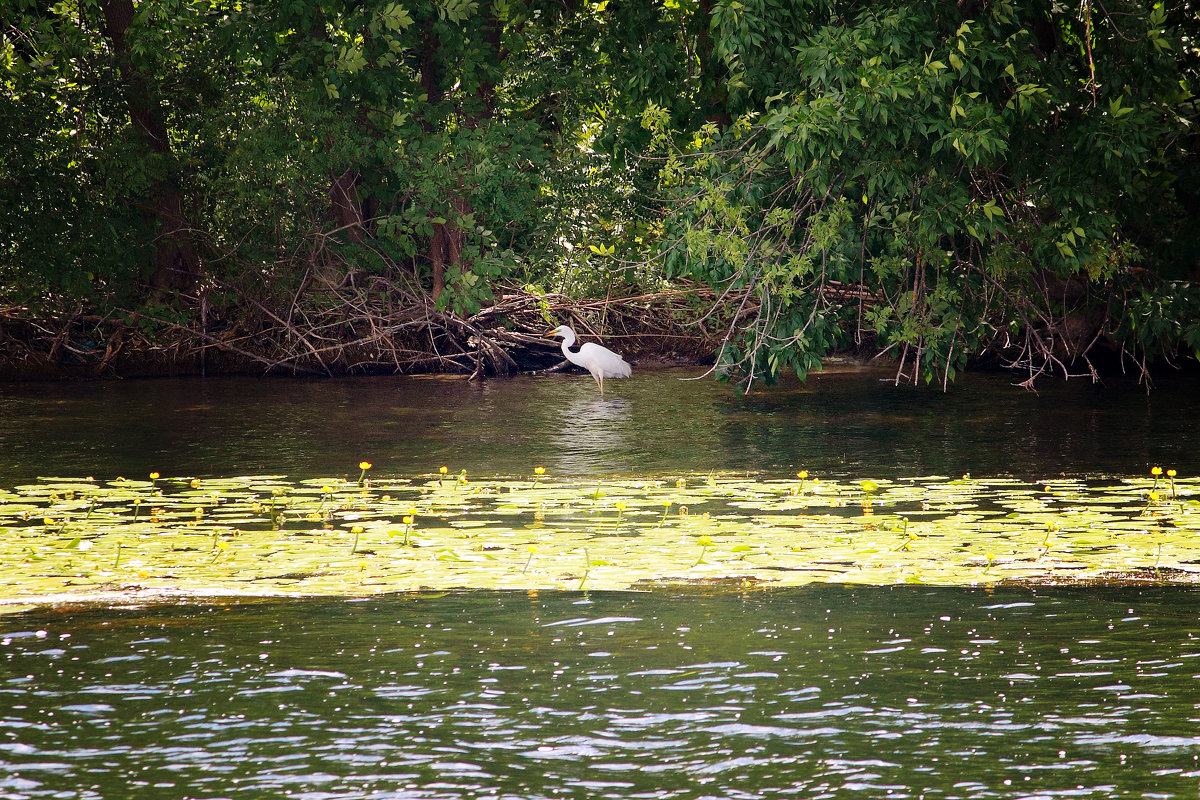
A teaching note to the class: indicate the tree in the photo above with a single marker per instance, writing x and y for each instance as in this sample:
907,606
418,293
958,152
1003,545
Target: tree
69,179
950,180
938,181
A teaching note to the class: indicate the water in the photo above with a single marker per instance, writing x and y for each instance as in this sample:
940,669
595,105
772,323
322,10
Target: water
845,422
825,692
821,693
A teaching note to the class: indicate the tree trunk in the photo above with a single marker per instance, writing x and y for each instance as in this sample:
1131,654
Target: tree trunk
437,259
347,210
176,261
431,82
456,235
447,244
492,36
714,95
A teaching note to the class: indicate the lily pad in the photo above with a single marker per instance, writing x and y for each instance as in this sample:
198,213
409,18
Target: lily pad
265,534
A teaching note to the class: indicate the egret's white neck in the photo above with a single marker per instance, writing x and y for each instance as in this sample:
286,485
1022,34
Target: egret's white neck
566,348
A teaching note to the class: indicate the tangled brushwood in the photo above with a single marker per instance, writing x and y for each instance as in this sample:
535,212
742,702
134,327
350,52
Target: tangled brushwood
365,325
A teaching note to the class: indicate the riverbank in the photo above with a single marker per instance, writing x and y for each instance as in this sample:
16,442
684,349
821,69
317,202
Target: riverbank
352,330
355,332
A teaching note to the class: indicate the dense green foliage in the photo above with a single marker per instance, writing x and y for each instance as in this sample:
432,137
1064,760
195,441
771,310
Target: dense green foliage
943,181
304,139
949,179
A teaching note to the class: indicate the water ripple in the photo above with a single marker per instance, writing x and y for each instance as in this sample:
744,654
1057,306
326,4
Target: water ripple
1011,694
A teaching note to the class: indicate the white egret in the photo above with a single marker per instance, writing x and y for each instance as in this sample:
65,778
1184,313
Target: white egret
600,361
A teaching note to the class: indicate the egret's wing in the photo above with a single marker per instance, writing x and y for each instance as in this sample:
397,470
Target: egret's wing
618,369
602,361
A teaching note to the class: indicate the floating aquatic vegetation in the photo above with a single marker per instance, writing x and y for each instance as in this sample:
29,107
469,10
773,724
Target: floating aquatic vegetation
264,534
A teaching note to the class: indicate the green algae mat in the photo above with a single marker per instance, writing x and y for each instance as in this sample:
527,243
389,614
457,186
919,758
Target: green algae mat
65,539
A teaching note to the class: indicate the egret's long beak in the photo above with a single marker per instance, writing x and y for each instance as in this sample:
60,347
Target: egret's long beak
550,334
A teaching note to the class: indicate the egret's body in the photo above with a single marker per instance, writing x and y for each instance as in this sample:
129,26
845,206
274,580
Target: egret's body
600,361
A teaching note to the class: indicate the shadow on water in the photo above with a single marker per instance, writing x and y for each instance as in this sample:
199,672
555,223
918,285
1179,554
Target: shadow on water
844,421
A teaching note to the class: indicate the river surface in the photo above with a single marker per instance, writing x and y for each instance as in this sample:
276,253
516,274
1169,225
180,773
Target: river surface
820,692
846,421
826,692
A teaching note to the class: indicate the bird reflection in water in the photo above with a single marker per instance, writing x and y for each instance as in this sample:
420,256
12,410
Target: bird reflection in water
590,433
